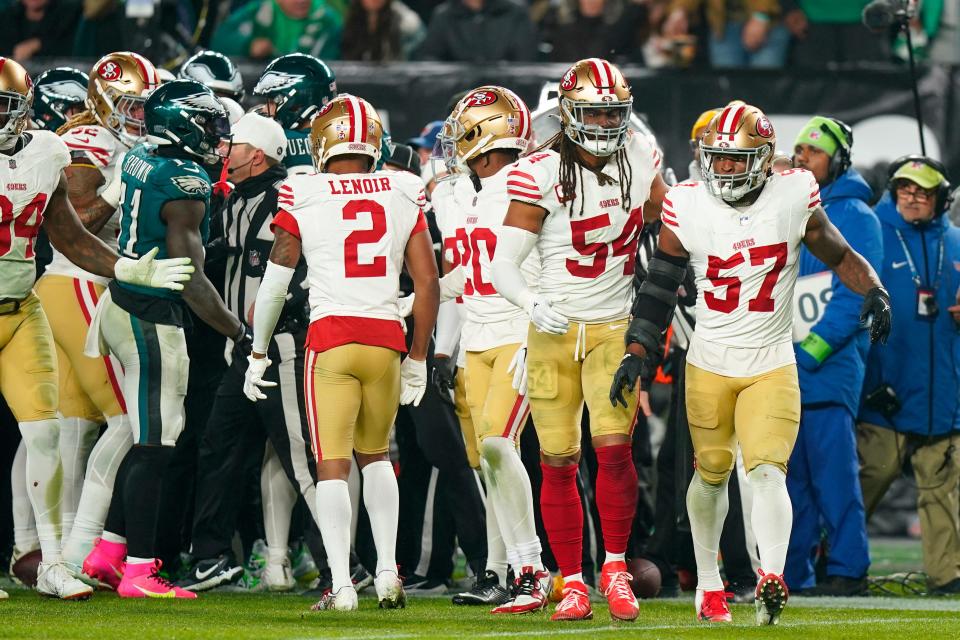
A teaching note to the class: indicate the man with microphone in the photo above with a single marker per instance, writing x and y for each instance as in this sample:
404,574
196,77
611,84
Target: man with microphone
237,425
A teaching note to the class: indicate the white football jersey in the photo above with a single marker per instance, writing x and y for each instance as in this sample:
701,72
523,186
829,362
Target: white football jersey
469,221
353,231
30,178
588,257
97,146
746,263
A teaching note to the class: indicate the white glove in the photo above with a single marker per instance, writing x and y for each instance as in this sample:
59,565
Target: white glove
158,274
413,381
405,305
544,318
253,379
518,366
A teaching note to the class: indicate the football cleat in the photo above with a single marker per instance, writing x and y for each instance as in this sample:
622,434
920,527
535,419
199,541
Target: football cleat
615,585
486,591
712,606
301,564
530,595
771,598
390,590
419,586
343,600
56,581
278,577
575,604
207,574
105,563
143,580
4,595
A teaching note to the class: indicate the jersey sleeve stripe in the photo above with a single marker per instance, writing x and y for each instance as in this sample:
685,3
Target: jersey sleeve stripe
523,195
668,211
523,184
520,174
287,222
813,203
670,222
666,201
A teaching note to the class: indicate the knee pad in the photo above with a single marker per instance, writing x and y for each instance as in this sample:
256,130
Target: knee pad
714,465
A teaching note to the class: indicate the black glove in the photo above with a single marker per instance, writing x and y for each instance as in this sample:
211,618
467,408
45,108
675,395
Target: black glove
243,343
443,376
875,314
632,368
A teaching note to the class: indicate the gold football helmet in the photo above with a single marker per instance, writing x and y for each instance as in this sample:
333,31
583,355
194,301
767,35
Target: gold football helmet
119,85
346,124
16,96
740,131
487,118
595,106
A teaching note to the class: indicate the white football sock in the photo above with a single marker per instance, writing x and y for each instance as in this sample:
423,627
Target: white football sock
102,466
615,557
496,543
42,439
114,538
382,499
576,577
77,437
772,516
707,506
278,498
333,501
24,526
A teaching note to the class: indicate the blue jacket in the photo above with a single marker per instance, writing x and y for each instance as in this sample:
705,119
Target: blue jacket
921,360
839,378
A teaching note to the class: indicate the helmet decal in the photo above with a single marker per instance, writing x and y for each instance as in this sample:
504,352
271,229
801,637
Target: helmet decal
110,71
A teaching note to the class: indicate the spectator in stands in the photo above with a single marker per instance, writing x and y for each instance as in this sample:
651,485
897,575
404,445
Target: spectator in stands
32,28
479,31
743,33
831,351
576,29
380,31
830,31
424,143
911,403
270,28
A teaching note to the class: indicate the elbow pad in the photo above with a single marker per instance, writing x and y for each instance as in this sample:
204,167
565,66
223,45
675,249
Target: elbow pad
513,247
656,300
271,297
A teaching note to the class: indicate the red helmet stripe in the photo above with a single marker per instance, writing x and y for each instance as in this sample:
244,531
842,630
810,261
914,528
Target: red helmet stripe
609,70
730,119
363,121
599,78
352,113
149,78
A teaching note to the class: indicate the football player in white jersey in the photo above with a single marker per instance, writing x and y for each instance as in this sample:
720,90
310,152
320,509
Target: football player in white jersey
32,170
483,137
582,202
91,388
741,230
355,231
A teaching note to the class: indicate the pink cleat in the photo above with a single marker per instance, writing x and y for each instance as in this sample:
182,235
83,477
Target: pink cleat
104,564
144,581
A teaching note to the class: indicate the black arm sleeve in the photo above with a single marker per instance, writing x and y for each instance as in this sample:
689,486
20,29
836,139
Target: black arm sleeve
656,300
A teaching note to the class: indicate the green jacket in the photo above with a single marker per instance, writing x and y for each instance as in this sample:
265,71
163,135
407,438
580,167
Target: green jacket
717,10
318,34
833,11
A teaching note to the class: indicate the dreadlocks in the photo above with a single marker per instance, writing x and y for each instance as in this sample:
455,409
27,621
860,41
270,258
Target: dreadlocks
81,119
571,170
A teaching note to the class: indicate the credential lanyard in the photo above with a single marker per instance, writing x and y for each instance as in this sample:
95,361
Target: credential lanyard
913,267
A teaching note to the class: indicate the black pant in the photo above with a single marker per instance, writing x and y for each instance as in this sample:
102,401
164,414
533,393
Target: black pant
236,426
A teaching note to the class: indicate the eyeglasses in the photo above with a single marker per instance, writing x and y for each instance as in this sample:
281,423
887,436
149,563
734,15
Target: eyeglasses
920,195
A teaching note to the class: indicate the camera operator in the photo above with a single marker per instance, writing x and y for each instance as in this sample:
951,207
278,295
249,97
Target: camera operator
911,404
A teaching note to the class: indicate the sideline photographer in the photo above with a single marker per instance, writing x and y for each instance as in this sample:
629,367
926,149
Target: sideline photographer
911,402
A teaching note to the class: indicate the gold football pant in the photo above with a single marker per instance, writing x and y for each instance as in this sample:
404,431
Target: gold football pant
567,370
352,394
761,412
28,363
90,388
497,408
465,418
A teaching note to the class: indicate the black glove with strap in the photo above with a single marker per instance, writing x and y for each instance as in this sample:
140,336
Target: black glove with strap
443,376
632,368
243,343
875,314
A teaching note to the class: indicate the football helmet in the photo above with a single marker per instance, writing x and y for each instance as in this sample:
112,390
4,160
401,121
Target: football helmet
187,115
216,71
590,88
487,118
119,85
16,95
298,85
347,124
741,131
55,92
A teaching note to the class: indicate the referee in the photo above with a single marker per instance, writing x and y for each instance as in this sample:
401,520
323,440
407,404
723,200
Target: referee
238,426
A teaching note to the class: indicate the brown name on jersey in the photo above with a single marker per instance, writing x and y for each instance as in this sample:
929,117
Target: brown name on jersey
355,186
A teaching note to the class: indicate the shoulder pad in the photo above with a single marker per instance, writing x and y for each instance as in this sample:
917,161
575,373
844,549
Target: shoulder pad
410,186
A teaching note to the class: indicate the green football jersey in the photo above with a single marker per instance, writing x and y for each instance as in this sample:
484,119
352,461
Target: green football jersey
149,182
298,156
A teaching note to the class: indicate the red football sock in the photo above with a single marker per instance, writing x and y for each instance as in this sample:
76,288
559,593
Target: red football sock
616,493
562,514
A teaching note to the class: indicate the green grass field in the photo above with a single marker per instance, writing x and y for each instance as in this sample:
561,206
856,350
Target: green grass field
229,616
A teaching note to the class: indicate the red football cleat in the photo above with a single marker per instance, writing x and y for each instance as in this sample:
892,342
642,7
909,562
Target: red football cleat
575,604
615,584
713,606
772,595
105,563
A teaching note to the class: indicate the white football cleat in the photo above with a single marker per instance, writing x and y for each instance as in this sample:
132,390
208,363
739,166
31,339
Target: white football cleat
278,577
56,581
4,595
343,600
390,592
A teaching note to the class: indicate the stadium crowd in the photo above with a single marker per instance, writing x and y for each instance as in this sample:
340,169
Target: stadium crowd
252,425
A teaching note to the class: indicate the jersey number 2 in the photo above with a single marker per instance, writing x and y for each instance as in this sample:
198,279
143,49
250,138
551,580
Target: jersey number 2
21,226
353,267
758,255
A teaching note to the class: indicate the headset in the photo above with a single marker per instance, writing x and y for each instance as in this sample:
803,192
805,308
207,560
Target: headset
944,196
840,161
